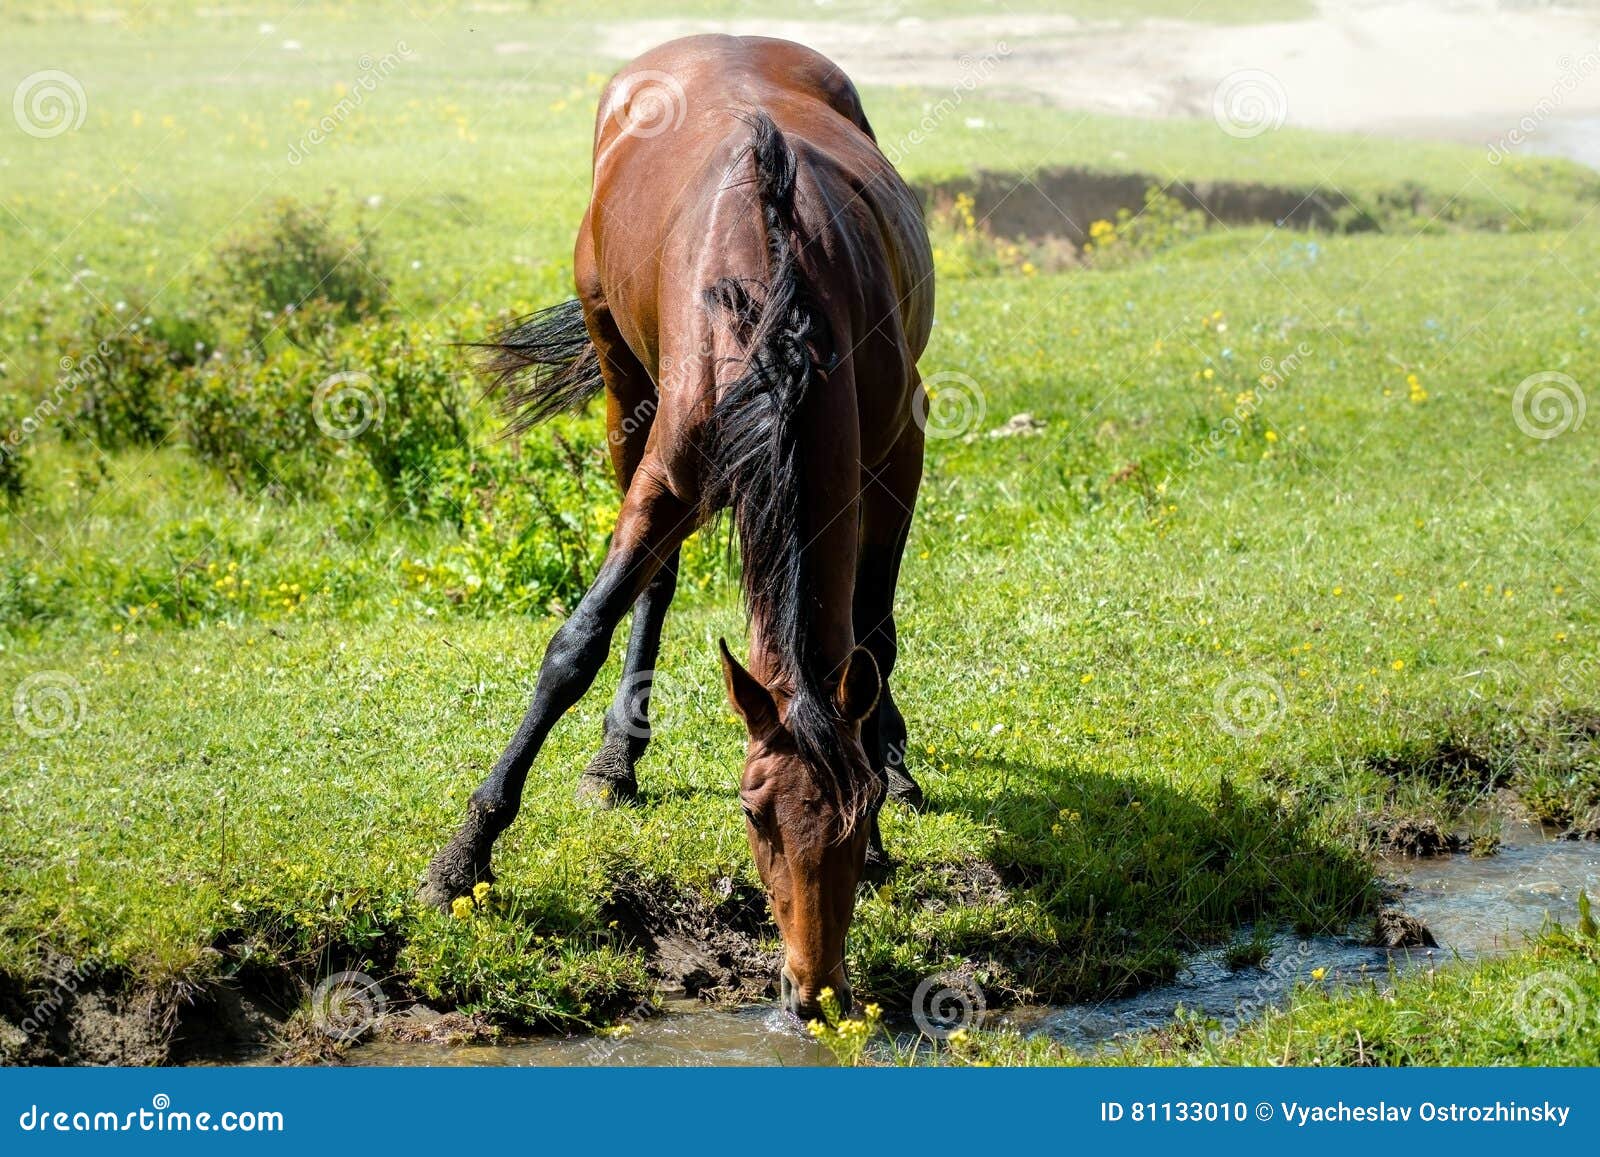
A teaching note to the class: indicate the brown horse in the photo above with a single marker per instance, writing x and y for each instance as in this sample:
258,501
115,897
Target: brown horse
755,286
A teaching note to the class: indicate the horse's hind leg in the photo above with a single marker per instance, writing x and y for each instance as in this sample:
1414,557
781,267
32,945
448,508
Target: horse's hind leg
886,506
631,401
651,526
609,779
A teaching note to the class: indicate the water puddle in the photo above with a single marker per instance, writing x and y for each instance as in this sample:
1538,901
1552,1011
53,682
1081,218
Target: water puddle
1472,906
687,1034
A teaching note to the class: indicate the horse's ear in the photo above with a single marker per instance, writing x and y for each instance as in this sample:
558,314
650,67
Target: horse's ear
859,688
750,699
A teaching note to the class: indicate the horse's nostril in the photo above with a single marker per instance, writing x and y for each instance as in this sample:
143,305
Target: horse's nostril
808,1005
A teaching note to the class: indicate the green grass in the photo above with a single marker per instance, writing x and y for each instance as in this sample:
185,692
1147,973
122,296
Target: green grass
255,788
1534,1008
478,160
278,780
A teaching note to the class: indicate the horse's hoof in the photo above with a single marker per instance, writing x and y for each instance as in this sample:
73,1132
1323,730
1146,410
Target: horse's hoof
460,864
905,790
452,874
604,793
434,894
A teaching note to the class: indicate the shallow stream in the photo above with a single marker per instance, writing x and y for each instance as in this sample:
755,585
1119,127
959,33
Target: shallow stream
1472,906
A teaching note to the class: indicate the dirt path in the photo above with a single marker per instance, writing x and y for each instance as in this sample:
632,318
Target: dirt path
1467,70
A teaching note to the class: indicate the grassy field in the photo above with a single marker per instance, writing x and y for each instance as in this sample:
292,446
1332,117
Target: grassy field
1283,568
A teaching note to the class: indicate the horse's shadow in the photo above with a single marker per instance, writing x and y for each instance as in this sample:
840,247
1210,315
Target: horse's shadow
1095,884
1113,878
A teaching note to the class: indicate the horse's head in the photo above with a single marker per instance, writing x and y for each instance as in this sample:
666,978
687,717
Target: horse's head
808,837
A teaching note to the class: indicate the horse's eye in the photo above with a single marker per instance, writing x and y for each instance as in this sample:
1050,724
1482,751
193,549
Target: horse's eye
751,814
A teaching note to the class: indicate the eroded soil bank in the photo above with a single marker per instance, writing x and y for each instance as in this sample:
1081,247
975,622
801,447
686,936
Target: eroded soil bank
1447,906
714,966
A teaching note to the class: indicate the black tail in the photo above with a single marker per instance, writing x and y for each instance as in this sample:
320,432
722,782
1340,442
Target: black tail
757,464
541,365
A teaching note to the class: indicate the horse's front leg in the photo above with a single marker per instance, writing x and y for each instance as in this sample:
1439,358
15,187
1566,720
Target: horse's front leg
887,502
610,778
652,524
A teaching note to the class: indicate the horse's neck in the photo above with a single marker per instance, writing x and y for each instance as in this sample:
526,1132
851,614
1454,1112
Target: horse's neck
827,626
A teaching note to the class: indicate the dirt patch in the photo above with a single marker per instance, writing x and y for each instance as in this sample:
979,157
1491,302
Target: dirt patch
1392,928
73,1016
696,948
420,1024
1061,203
1419,837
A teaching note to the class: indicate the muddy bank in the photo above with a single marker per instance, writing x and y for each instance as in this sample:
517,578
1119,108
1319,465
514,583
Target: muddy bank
714,961
77,1015
1061,203
1515,851
1448,906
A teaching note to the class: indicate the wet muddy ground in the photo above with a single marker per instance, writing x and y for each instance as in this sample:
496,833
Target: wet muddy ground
1471,906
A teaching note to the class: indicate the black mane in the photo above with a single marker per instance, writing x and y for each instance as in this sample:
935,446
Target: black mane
757,465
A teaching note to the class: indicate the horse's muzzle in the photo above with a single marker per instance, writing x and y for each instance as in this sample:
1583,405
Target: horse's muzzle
806,1003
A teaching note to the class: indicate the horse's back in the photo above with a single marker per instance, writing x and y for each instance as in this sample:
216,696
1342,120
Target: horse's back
671,130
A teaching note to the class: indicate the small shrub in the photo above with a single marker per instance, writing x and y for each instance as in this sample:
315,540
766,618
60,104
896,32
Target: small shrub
533,526
120,370
963,247
406,407
126,375
295,258
253,421
13,464
1164,221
